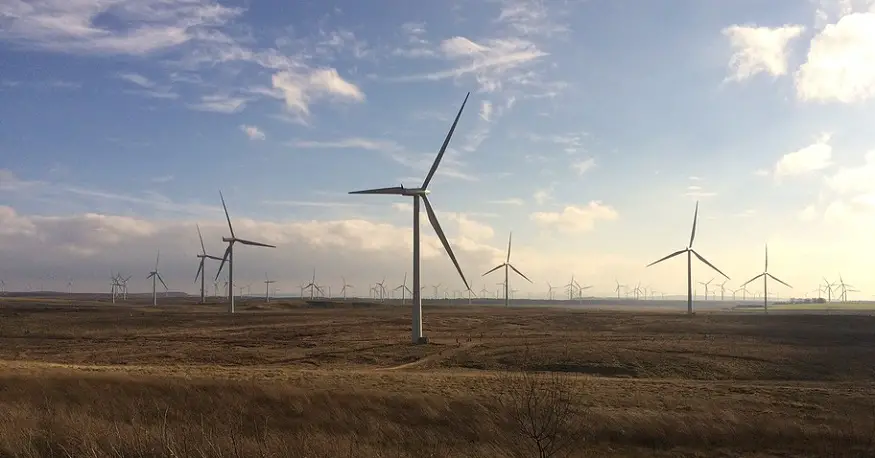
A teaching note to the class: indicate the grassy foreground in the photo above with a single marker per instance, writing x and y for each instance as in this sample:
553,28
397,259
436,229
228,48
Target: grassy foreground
316,383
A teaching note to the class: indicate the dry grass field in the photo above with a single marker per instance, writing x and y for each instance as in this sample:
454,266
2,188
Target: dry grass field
291,380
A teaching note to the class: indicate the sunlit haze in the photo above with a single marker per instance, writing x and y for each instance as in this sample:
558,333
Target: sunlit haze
592,129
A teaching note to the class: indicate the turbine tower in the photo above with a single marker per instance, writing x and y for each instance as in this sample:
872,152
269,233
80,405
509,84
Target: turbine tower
689,251
154,275
418,194
229,255
766,275
201,272
267,283
507,265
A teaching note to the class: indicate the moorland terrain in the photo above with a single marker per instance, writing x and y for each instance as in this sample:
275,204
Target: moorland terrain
292,379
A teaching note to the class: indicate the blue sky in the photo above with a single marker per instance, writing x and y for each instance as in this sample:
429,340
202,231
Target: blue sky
592,129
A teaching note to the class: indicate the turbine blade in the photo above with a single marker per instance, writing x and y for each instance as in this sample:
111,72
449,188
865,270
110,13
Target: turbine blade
203,248
231,228
668,257
509,239
752,279
520,273
440,232
493,269
709,264
214,257
695,218
440,155
249,242
157,257
779,281
224,258
393,190
767,258
162,281
200,267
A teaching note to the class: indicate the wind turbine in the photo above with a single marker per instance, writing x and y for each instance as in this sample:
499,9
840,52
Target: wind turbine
154,275
722,287
201,272
766,275
706,284
550,289
381,289
507,266
829,288
229,255
345,286
403,287
267,283
689,251
312,286
617,289
418,194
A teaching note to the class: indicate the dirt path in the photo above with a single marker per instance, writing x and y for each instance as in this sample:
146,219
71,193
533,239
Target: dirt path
445,353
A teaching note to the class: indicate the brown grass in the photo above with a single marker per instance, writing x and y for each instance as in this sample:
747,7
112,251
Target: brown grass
102,381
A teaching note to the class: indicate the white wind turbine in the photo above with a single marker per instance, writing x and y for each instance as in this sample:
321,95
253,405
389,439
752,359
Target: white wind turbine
550,289
229,255
507,265
155,276
418,194
312,286
689,251
706,284
201,272
403,287
766,275
267,283
345,286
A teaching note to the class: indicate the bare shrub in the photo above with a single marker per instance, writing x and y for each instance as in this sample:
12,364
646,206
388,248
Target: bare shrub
541,413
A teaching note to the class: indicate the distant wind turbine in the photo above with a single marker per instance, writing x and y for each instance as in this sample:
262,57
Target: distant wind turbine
706,284
201,272
229,255
403,287
345,286
766,275
418,194
507,265
689,251
154,275
267,283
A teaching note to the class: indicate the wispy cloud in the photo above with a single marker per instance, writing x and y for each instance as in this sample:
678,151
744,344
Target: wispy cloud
450,167
758,50
162,179
148,87
220,103
573,219
253,132
584,165
512,201
299,88
812,158
73,26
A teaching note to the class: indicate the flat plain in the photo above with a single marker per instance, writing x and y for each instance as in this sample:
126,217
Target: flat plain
87,378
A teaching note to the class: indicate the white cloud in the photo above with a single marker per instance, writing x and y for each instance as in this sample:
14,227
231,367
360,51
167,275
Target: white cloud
529,18
298,89
74,25
489,61
695,178
860,179
758,50
808,214
148,87
841,62
812,158
575,219
220,103
511,201
543,195
253,132
584,165
486,110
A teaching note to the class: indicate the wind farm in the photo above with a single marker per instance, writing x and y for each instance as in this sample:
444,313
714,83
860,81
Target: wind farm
581,137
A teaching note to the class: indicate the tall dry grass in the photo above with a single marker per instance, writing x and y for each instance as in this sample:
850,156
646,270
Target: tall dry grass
121,416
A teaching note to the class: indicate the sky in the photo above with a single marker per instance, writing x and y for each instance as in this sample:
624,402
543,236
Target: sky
592,129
